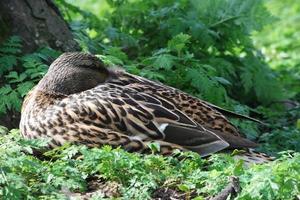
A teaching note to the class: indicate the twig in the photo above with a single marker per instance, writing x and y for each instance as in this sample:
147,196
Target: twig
224,21
233,188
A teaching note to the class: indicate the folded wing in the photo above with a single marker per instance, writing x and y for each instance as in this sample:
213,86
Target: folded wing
149,117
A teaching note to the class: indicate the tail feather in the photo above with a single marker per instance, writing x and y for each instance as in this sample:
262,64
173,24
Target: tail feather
235,115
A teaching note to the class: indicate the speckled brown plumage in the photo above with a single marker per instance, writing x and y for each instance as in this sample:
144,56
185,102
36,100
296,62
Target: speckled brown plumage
81,101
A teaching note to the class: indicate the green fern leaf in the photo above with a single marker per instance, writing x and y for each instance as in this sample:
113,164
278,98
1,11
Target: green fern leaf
5,90
23,88
7,62
13,101
163,61
267,88
247,80
11,46
179,42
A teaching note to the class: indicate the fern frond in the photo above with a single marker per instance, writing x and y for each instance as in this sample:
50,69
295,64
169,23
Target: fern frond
12,45
7,62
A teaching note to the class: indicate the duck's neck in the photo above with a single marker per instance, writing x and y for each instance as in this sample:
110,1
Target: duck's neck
70,80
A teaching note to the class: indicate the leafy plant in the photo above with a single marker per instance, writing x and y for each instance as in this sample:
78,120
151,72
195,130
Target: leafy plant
203,46
71,168
19,73
280,45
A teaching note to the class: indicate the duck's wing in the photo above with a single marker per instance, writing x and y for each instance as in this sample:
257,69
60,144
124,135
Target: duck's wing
149,118
206,115
197,110
220,126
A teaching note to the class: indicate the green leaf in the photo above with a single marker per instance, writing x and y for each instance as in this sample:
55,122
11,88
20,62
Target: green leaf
116,52
179,42
222,80
111,60
154,146
198,198
164,61
298,124
3,130
184,188
5,90
238,168
247,80
7,62
11,46
13,101
23,88
12,75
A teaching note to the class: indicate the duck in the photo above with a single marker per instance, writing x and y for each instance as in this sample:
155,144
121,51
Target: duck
82,101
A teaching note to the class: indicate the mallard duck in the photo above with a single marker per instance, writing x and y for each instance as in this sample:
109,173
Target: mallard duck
81,101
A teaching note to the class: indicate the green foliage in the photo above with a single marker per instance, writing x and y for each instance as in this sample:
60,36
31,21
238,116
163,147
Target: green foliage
8,50
280,44
24,176
197,46
19,73
203,47
284,132
277,180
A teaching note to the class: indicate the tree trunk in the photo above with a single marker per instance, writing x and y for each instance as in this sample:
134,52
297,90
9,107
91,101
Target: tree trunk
37,22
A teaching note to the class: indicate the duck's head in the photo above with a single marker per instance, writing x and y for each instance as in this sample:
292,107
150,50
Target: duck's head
72,73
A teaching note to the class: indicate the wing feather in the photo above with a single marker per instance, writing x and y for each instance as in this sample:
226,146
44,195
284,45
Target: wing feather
159,119
203,113
143,112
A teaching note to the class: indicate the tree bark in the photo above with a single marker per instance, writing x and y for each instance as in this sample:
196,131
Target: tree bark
37,22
